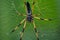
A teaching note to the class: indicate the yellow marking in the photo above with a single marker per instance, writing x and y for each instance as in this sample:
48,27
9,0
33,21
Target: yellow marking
34,25
46,19
37,17
24,24
16,27
36,34
21,34
22,21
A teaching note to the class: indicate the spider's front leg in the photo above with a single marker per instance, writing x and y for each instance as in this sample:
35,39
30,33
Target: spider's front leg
18,25
34,1
21,33
33,6
18,13
36,31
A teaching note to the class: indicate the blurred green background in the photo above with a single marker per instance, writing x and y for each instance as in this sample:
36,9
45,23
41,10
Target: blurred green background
48,30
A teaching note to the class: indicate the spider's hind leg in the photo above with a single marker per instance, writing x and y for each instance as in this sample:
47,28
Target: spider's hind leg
36,31
18,25
21,33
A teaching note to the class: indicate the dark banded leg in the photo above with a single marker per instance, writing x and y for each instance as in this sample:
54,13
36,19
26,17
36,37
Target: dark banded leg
18,25
21,33
42,19
36,31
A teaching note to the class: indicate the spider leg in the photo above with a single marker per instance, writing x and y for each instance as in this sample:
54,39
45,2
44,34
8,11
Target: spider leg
33,6
20,13
17,11
21,33
42,18
36,31
34,1
18,25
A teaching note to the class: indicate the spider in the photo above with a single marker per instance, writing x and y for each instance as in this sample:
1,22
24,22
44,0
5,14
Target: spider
29,18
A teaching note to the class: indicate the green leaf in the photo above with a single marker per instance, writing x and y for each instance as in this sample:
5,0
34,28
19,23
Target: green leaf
47,30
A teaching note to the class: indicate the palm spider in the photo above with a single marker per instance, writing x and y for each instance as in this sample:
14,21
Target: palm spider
29,18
